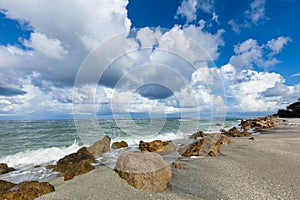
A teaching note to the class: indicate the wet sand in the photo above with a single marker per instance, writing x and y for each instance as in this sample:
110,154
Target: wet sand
265,168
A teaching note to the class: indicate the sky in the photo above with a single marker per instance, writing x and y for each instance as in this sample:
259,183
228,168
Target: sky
133,58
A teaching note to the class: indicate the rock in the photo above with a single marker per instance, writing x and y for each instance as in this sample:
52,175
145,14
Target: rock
75,164
246,125
5,186
251,138
197,135
118,145
182,148
68,162
292,111
260,124
157,146
81,168
53,167
28,191
234,132
144,170
100,147
178,165
207,146
5,169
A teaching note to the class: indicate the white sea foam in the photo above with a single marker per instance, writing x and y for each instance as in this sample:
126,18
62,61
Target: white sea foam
38,156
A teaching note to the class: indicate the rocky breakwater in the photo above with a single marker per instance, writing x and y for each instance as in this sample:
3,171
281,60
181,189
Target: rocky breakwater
260,124
234,132
26,190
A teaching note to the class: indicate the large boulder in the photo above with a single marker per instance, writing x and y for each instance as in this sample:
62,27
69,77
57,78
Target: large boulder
80,168
157,146
5,169
207,146
144,170
27,191
119,145
75,164
100,147
68,162
197,135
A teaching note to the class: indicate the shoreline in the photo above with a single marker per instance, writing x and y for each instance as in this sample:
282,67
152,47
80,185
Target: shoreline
266,168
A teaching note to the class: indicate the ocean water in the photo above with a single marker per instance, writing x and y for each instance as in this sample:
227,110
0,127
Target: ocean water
29,146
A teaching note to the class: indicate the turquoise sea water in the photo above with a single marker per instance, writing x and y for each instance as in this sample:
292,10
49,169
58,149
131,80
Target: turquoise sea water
29,146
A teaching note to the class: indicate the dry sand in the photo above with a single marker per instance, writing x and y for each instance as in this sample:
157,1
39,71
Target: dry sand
265,168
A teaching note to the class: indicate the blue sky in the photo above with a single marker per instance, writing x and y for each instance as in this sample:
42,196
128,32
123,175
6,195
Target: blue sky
249,47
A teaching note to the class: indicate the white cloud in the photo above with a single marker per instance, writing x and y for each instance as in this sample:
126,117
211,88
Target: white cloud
72,20
235,27
188,9
296,75
210,42
177,59
215,17
13,57
178,53
206,6
257,11
252,91
49,47
255,15
276,45
62,35
249,53
66,36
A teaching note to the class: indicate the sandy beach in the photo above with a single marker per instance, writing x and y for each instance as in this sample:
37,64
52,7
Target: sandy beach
265,168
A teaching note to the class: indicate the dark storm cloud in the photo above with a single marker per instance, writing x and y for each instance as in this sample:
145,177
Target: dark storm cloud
6,91
154,91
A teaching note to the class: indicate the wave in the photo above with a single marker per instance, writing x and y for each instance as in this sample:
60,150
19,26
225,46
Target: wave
38,156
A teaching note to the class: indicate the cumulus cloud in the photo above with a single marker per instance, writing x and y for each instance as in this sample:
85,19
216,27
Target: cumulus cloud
60,40
249,53
157,68
58,43
150,70
49,47
246,96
